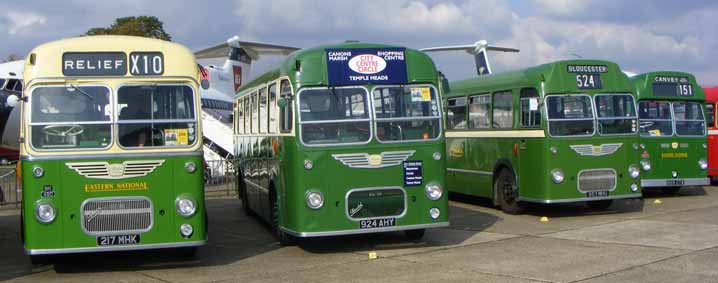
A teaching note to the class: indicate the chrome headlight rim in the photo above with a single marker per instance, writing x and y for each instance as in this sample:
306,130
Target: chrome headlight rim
646,165
186,230
433,191
186,206
45,205
312,195
557,176
634,172
38,171
190,167
434,213
634,187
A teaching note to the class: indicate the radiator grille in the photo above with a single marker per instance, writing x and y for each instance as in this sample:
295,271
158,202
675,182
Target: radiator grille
362,204
597,180
117,216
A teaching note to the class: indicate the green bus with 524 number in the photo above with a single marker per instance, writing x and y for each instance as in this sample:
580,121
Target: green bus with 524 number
561,132
343,139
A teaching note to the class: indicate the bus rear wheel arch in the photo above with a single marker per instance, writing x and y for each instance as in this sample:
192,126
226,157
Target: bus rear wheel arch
506,191
284,238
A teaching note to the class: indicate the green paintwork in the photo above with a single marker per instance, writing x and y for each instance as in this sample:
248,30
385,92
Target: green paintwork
658,150
533,162
169,181
283,173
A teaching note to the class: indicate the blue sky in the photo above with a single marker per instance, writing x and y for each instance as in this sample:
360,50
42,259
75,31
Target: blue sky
640,35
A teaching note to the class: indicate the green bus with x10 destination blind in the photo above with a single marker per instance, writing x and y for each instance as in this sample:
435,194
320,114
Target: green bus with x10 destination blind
561,132
673,131
343,139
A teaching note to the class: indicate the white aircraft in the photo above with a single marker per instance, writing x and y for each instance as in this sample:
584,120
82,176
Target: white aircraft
479,49
10,84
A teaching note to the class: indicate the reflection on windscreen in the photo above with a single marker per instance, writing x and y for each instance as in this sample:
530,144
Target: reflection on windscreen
616,114
70,117
689,119
334,116
570,115
406,113
156,115
656,119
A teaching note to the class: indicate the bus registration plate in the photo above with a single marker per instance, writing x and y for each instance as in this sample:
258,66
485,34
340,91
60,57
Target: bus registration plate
118,240
377,223
675,182
597,194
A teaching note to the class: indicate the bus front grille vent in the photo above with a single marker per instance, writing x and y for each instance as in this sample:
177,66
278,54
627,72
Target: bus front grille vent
107,216
372,203
597,180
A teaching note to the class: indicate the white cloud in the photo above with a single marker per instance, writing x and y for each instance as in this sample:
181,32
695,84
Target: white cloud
23,21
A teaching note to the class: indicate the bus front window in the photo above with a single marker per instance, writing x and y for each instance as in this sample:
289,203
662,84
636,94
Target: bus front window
63,117
689,119
570,115
156,115
334,116
616,114
655,118
406,113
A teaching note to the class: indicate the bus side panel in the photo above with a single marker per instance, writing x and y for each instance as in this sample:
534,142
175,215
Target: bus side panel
665,159
456,159
531,169
712,154
39,235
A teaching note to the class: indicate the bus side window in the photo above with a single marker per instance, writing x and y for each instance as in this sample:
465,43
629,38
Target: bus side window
479,106
239,117
456,114
272,108
503,110
530,114
263,110
247,117
286,114
255,115
710,116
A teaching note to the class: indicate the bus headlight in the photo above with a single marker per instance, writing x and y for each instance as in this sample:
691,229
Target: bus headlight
646,165
186,230
436,156
557,176
315,200
634,187
37,171
633,171
553,150
44,212
434,213
703,164
190,167
185,207
434,191
308,164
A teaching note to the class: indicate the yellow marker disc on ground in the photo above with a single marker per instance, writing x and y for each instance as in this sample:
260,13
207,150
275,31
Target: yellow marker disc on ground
657,201
544,219
372,255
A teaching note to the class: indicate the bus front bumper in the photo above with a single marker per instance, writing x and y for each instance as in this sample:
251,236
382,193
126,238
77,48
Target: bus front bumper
364,231
550,201
115,248
674,182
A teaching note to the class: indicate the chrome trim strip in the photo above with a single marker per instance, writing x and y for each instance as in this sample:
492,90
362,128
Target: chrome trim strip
650,183
346,202
550,201
114,248
474,172
116,155
364,231
496,134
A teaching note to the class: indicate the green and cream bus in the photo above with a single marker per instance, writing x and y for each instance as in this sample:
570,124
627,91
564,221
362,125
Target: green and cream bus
673,131
343,139
561,132
110,147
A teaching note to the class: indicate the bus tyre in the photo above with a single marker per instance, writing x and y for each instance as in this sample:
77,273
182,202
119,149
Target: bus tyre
284,238
600,204
671,190
507,192
415,234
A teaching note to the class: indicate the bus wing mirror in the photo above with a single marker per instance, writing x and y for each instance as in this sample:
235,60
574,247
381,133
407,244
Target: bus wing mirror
13,100
204,83
282,102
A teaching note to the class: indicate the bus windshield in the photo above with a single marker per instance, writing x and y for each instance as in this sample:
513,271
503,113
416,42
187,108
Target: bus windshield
70,116
616,114
656,118
334,115
689,119
156,115
570,115
406,113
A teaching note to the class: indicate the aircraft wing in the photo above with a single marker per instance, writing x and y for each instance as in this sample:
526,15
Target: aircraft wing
252,48
469,48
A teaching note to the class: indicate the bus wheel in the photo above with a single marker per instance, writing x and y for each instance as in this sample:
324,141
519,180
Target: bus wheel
283,237
245,199
671,190
600,204
415,234
507,192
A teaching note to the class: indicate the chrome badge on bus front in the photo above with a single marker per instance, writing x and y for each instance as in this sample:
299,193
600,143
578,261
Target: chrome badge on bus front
365,160
124,170
596,150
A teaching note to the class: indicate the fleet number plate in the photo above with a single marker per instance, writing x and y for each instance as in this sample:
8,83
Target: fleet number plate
377,223
118,240
675,182
597,194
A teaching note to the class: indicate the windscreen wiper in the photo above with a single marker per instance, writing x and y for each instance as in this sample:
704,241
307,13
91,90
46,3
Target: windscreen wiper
77,88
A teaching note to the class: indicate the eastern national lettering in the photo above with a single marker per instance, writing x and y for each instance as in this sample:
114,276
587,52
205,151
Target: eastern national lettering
94,64
366,65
